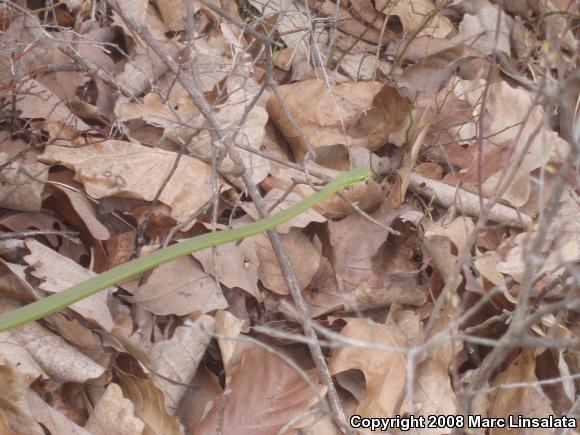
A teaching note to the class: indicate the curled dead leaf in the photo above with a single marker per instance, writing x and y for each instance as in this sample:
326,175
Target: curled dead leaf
385,372
179,287
264,395
117,168
361,114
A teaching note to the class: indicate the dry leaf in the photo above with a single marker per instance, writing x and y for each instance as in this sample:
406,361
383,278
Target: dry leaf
26,40
176,359
304,258
537,405
38,102
368,195
51,418
237,265
248,125
113,415
506,108
352,114
14,401
508,401
370,270
144,69
413,17
352,26
70,86
4,426
80,206
431,74
77,334
145,14
149,403
22,180
486,265
433,393
229,326
292,21
480,30
117,168
432,390
385,372
550,364
173,13
59,360
60,273
12,354
170,116
13,281
38,221
265,394
277,197
393,86
418,48
196,403
179,287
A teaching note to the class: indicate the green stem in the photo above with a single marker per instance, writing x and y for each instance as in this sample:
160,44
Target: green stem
63,299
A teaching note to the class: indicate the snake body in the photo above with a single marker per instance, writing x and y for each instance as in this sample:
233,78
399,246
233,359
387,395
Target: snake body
63,299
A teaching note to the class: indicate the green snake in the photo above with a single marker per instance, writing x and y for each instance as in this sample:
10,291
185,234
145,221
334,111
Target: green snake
63,299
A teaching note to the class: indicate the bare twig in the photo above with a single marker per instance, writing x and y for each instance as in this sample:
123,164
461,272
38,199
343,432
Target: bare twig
218,136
